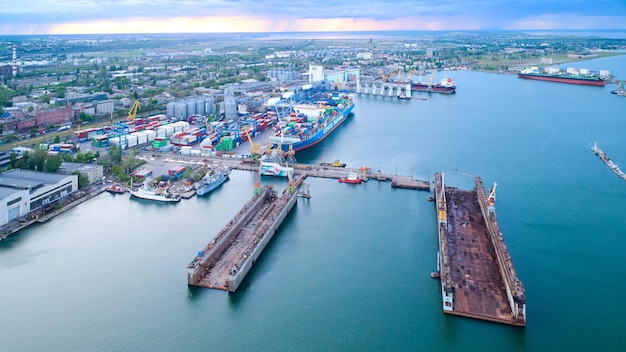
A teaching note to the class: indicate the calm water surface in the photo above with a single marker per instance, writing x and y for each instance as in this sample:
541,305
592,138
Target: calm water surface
349,268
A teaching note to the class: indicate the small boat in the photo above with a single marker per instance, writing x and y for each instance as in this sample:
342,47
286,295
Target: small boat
335,163
352,178
434,274
115,189
431,198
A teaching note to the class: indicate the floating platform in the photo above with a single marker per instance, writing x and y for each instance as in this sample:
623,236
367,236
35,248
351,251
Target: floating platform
477,276
225,261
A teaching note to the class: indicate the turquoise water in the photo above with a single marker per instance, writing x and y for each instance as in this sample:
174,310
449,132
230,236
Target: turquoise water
349,268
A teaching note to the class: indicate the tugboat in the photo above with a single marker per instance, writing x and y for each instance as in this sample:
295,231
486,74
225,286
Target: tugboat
335,163
115,189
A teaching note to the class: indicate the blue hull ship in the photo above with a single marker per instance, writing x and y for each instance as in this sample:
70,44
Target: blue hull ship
211,181
308,124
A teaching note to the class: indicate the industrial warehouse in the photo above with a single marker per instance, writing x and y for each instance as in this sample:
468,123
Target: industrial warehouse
24,191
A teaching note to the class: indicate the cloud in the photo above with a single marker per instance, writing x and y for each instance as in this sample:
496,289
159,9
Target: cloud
568,21
143,16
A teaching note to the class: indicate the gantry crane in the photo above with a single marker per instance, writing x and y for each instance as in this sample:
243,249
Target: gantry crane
133,110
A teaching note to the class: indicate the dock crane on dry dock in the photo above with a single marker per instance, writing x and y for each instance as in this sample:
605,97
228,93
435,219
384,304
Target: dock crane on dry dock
491,200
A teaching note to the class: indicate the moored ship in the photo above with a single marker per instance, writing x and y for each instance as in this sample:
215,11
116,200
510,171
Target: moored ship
571,76
335,163
211,180
351,178
115,189
150,191
445,86
309,123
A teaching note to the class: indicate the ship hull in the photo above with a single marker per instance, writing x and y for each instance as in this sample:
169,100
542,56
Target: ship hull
151,196
571,80
433,88
319,136
208,187
324,132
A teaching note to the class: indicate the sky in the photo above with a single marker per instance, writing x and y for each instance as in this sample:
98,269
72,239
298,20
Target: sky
220,16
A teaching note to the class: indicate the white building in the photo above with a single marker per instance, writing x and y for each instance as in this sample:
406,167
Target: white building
23,191
94,172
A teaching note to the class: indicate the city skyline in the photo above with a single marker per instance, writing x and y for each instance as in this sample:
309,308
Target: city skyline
220,16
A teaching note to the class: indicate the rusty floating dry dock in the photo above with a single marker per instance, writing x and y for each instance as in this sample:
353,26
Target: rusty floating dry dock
225,261
477,275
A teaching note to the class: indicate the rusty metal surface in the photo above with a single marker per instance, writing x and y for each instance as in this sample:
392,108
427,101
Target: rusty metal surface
479,288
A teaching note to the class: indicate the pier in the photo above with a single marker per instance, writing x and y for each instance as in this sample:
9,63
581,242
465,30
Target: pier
477,276
382,88
225,261
365,173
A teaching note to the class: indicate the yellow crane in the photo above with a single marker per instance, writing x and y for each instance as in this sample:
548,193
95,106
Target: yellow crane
382,75
133,110
255,149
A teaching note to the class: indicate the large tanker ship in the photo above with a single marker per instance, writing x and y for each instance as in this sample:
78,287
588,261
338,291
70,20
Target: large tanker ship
309,123
571,75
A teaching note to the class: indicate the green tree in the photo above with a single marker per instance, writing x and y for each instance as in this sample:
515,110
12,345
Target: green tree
52,163
85,158
37,159
130,162
83,180
85,116
8,138
116,153
105,161
45,98
57,139
13,160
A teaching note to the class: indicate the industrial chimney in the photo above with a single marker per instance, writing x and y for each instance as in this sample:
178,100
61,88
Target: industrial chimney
14,71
